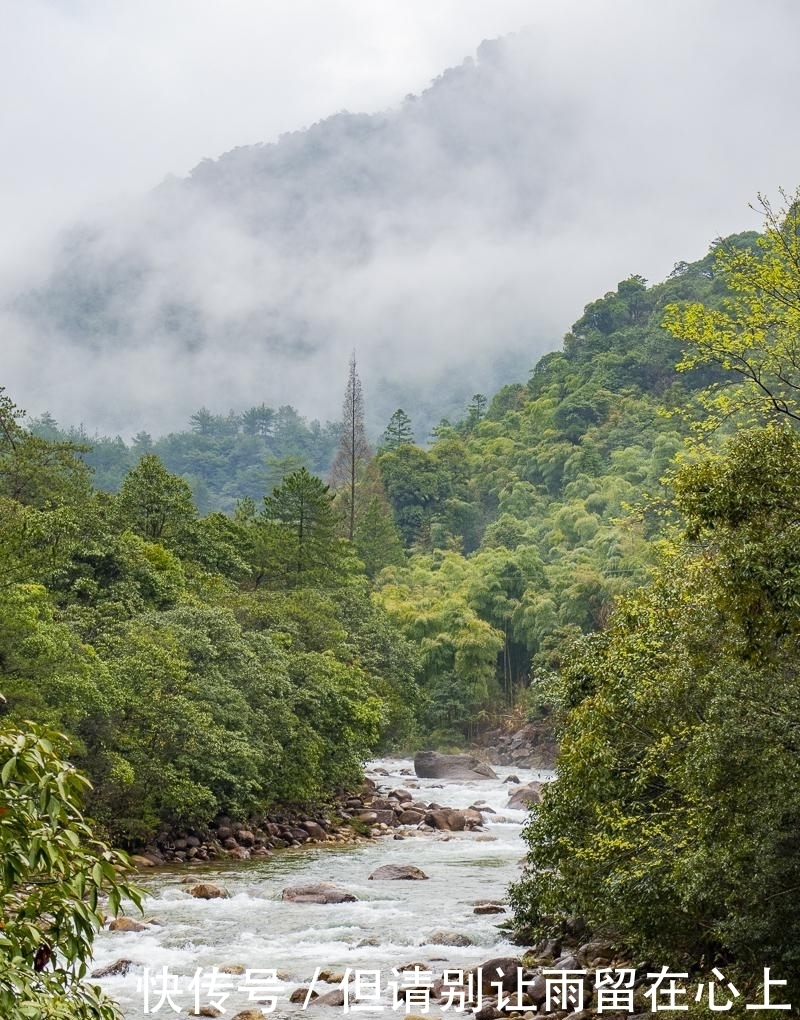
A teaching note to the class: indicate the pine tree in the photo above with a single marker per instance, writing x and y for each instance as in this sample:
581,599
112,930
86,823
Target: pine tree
354,452
398,432
303,548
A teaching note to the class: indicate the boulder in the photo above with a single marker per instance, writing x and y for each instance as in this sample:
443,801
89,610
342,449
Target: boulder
333,998
397,872
207,891
386,816
597,950
489,908
331,977
410,816
139,861
206,1011
525,796
501,970
317,892
448,938
446,820
119,968
488,1012
314,830
432,765
126,924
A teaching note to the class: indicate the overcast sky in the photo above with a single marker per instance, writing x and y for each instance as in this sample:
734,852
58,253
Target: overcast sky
687,109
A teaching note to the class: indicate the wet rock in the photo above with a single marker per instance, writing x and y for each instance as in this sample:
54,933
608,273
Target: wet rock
245,837
126,924
410,816
525,796
432,765
472,818
397,872
331,977
485,838
140,861
501,971
232,968
317,892
249,1014
446,819
296,833
511,779
300,995
332,998
489,908
315,830
402,795
489,1012
207,891
206,1011
119,968
448,938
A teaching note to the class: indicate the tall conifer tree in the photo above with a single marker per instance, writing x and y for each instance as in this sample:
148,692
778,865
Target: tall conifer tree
354,451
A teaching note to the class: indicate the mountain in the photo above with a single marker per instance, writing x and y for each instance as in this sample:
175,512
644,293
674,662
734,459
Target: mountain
447,241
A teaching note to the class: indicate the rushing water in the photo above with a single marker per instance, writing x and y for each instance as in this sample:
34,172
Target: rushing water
390,924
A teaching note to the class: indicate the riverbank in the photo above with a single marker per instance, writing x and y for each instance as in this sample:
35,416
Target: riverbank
369,812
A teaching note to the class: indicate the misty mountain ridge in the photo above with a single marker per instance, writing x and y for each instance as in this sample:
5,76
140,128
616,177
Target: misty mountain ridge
448,242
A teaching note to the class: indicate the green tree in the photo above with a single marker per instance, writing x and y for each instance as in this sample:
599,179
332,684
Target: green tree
37,471
673,822
307,550
354,453
398,432
752,334
154,503
54,877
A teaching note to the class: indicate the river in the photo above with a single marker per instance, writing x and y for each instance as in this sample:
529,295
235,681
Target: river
388,926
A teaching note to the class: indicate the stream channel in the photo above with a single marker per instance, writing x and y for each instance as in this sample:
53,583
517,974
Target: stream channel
388,926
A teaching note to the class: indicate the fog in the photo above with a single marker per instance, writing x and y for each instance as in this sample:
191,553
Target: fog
449,237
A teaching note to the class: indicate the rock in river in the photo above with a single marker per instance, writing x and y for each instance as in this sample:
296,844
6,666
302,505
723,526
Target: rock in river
317,892
525,796
396,872
208,891
432,765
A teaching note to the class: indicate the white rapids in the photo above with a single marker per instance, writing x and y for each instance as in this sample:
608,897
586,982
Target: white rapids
388,926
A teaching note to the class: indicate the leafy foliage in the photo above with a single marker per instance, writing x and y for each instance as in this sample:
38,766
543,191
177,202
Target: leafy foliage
751,334
672,825
54,877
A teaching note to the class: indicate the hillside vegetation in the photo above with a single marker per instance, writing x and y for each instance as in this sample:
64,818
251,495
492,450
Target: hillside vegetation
548,548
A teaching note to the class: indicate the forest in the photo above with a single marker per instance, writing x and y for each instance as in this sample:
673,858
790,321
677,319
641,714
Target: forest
237,616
